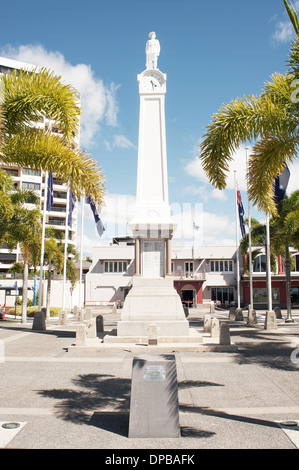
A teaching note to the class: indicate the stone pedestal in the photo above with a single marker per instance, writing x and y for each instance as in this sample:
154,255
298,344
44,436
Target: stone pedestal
270,321
154,406
39,321
153,300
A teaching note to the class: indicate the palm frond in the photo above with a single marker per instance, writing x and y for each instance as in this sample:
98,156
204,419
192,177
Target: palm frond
292,15
28,97
235,123
269,157
42,150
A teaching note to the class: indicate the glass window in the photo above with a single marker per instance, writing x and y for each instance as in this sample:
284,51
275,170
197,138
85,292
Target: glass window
222,294
296,263
115,266
30,185
222,266
260,295
260,264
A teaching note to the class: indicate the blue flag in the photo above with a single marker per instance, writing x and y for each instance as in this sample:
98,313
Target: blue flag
50,192
99,224
281,184
241,213
72,202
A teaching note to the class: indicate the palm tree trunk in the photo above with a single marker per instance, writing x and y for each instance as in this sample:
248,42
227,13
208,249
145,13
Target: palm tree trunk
288,284
48,293
25,291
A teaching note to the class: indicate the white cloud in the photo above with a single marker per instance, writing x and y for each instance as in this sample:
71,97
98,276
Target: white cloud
238,163
98,99
120,141
284,30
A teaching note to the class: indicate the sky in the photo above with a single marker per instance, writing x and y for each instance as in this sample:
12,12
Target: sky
212,52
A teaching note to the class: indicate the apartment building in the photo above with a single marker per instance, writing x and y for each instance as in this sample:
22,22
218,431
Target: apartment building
32,179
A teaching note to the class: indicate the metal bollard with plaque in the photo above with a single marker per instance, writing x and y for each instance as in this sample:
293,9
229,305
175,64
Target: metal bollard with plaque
154,406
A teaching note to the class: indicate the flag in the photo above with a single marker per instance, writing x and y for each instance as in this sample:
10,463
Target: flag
99,224
241,213
72,202
50,192
196,227
280,184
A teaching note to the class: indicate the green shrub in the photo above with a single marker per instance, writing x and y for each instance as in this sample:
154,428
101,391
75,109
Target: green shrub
54,311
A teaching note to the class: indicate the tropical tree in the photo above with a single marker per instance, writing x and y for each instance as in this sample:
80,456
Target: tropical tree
286,234
54,261
272,117
30,98
259,239
24,228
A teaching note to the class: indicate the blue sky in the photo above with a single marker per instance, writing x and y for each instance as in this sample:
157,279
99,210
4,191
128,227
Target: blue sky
212,52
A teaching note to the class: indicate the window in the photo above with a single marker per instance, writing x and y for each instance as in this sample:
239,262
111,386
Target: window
30,185
29,171
260,295
189,267
222,294
222,266
296,262
11,171
260,264
115,266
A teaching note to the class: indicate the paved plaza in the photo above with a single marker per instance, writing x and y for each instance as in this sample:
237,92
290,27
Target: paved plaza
64,399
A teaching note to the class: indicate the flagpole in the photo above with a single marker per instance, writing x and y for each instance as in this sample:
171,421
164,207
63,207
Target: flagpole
237,242
249,239
65,247
81,248
43,242
193,240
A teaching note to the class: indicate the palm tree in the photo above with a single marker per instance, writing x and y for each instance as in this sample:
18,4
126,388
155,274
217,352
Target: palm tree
259,238
54,260
28,99
286,234
24,228
272,117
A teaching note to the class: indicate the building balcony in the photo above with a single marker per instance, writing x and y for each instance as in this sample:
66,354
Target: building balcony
184,275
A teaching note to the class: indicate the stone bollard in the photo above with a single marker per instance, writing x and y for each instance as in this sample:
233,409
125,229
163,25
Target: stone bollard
186,311
239,315
224,335
207,323
214,328
270,320
251,319
99,324
91,330
39,321
80,315
153,334
232,313
88,313
277,312
62,317
81,335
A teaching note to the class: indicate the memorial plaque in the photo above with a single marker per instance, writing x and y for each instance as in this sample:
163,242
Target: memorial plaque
154,372
154,405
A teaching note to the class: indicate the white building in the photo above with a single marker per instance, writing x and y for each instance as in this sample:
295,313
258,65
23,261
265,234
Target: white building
201,275
32,179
